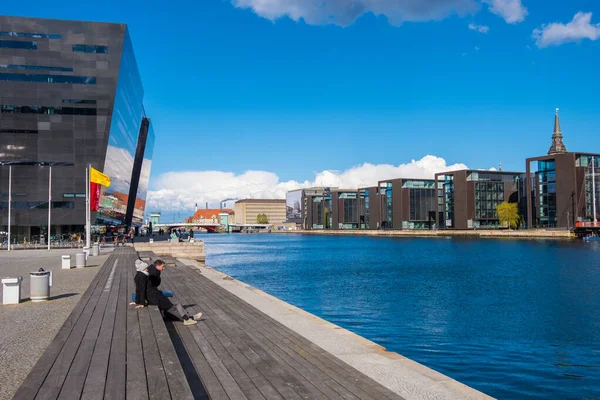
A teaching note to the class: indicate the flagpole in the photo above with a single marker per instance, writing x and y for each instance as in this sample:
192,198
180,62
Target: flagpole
49,201
9,201
88,228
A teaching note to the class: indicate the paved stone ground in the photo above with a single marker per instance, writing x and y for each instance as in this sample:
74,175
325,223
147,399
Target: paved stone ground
28,328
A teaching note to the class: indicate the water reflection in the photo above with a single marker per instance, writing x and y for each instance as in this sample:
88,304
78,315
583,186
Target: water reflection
515,319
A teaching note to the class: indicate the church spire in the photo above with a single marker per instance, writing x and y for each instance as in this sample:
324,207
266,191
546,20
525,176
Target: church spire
557,142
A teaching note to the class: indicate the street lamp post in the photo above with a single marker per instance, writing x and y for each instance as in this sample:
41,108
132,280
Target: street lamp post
9,201
49,201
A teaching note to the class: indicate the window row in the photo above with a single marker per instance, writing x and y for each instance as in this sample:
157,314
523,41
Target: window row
78,101
36,67
26,131
32,205
30,35
11,109
16,44
81,80
90,48
71,195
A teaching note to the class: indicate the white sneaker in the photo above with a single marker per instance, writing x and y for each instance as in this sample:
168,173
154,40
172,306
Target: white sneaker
189,322
197,317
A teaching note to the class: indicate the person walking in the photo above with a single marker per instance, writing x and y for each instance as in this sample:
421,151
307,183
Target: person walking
156,298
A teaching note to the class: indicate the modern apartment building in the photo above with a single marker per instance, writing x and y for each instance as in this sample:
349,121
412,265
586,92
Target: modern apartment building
407,203
561,186
71,96
247,211
467,199
333,209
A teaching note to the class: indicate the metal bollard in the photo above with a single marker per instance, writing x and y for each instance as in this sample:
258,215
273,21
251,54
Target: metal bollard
39,285
86,250
95,249
80,260
151,240
11,290
66,262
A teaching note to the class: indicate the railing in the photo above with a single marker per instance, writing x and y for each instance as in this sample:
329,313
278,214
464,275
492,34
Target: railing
587,224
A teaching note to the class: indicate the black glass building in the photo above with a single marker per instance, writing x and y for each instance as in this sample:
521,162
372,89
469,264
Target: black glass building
70,96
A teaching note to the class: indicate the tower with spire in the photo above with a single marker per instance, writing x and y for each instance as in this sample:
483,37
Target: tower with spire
558,146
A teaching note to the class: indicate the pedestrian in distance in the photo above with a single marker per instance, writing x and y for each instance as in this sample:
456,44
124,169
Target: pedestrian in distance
156,298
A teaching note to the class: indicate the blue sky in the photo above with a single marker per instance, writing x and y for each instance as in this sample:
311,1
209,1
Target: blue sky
229,89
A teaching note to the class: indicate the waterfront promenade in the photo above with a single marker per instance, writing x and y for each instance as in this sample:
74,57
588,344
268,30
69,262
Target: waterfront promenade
245,347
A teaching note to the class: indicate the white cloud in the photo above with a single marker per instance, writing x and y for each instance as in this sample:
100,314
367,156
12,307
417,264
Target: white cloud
556,33
345,12
512,11
179,191
479,28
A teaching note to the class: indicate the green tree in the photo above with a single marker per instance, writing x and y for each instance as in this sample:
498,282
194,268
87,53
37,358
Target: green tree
508,213
262,219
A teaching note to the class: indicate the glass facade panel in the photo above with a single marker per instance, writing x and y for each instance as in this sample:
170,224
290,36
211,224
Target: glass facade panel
422,205
17,44
546,177
488,195
123,138
90,48
589,187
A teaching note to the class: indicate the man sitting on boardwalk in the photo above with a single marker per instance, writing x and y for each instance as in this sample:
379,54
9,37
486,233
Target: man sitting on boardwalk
156,298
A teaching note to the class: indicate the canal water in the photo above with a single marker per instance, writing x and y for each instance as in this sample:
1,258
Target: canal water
516,319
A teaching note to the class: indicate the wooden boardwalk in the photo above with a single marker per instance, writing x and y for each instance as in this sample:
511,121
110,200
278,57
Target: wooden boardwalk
238,352
109,350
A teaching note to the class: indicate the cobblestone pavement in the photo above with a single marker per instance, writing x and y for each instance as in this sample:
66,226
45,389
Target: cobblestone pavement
28,328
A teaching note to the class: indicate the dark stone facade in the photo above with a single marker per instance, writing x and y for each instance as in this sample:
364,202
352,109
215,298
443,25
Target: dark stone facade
59,96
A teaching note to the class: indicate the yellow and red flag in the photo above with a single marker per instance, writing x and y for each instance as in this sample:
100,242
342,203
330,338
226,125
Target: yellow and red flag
97,179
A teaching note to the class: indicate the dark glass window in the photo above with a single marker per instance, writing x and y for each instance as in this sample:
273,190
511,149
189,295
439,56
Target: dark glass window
17,44
77,101
83,80
27,131
30,35
29,205
90,48
36,67
11,109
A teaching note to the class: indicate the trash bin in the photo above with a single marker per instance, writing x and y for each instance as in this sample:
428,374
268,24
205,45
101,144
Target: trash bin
39,285
86,250
80,260
11,290
66,262
95,249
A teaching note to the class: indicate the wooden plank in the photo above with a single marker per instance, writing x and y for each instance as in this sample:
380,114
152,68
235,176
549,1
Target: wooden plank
241,355
95,380
272,366
155,374
210,382
31,385
117,371
75,379
315,352
136,385
53,383
178,385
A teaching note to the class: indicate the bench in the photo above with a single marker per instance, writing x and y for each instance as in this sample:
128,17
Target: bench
108,350
238,352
